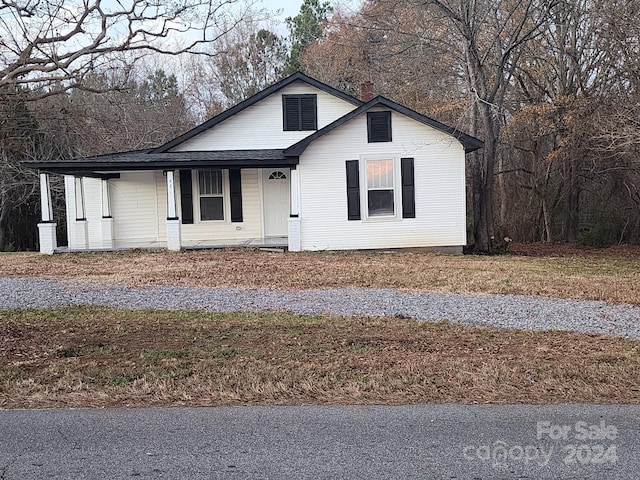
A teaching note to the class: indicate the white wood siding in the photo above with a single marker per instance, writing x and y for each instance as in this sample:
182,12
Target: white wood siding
439,189
161,200
260,126
134,208
70,204
93,211
249,228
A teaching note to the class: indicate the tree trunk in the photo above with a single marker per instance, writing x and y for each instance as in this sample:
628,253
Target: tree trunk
479,220
502,191
573,199
483,176
546,217
3,229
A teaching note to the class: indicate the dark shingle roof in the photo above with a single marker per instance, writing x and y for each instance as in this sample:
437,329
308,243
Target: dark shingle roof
146,159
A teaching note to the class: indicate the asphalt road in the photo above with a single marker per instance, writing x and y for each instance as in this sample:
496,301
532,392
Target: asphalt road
351,442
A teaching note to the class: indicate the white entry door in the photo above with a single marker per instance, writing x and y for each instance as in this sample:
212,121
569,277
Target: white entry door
276,192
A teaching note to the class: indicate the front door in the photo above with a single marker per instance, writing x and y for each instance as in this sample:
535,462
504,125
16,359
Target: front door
276,192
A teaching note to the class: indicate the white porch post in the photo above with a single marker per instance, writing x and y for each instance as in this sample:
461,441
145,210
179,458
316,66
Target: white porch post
47,228
294,217
173,222
81,229
45,199
79,191
295,195
106,203
107,219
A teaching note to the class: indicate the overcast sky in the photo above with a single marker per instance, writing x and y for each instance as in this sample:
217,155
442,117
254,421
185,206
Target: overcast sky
290,8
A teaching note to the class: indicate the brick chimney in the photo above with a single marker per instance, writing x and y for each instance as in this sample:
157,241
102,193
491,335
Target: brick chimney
366,91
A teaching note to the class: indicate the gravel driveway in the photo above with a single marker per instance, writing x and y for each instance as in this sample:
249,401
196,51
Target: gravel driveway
505,311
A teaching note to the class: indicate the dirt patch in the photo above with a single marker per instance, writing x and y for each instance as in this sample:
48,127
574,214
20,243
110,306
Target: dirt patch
98,357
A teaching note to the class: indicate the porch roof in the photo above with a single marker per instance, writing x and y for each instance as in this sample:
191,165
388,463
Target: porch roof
150,160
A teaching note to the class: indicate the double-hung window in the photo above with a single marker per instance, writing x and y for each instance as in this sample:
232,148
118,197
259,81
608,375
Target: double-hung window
211,194
387,186
380,188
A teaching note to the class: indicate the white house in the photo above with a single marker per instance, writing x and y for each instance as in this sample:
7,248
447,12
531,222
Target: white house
300,165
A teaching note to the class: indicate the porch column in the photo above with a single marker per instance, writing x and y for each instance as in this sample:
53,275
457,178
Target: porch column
107,219
47,228
294,217
173,222
81,231
295,189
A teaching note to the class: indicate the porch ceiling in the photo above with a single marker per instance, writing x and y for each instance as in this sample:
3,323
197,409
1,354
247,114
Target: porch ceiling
148,160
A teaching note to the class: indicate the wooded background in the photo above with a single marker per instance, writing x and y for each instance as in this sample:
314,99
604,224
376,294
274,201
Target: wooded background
552,87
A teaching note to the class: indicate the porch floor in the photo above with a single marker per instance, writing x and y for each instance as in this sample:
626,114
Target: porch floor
268,242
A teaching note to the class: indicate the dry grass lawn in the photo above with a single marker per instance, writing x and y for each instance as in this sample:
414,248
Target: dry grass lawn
611,275
95,357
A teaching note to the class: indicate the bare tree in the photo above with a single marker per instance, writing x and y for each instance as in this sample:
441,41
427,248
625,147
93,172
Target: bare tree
492,34
566,66
21,137
400,48
54,43
148,112
251,61
572,124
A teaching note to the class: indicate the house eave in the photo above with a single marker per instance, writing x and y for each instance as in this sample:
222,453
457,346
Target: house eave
128,161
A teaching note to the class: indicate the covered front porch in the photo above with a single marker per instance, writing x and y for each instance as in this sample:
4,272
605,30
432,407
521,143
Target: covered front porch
192,205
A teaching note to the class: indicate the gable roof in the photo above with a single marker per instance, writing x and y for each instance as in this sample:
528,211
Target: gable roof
469,143
160,157
253,100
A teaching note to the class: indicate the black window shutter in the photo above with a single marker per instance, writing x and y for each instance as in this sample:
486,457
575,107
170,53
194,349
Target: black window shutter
291,112
235,192
353,190
308,111
379,126
186,196
408,188
299,112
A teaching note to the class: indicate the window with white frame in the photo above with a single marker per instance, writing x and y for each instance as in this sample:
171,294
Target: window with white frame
211,194
380,185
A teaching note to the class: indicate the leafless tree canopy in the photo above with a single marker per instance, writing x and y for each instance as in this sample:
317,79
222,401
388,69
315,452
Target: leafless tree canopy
54,43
